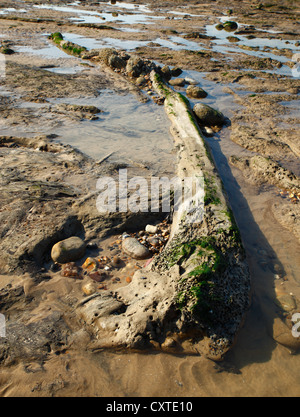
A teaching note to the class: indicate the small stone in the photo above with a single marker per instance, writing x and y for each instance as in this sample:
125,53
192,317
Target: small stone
286,302
166,72
116,261
140,80
97,276
114,61
177,82
128,280
230,26
89,288
190,81
68,250
194,91
150,228
154,241
92,245
54,267
70,270
169,343
135,249
90,264
176,71
207,116
282,333
207,131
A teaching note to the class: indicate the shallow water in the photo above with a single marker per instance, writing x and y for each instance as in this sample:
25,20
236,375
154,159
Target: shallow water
131,130
174,43
223,45
51,51
258,41
90,16
12,9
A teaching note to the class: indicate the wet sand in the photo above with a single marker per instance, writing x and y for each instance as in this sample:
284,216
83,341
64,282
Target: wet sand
260,87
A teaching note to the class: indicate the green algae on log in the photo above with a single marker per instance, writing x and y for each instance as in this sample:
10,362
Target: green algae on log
214,285
68,47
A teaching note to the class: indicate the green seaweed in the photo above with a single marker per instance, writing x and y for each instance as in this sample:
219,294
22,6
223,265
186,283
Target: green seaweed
210,196
57,37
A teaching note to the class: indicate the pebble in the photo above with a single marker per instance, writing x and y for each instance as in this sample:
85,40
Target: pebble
89,288
190,81
282,333
68,250
97,276
90,264
193,91
207,115
286,302
179,82
92,245
207,131
134,248
116,261
70,270
154,241
151,229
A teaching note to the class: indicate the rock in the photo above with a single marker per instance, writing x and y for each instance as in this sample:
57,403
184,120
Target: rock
90,264
141,80
177,82
154,241
233,39
105,54
89,288
207,131
134,66
176,71
282,334
286,302
194,91
190,81
6,50
230,26
116,261
71,270
98,276
208,116
134,248
151,229
296,57
169,343
219,26
114,61
166,73
68,250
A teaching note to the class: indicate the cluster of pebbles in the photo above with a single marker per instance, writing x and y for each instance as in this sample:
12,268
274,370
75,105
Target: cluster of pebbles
110,262
293,195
